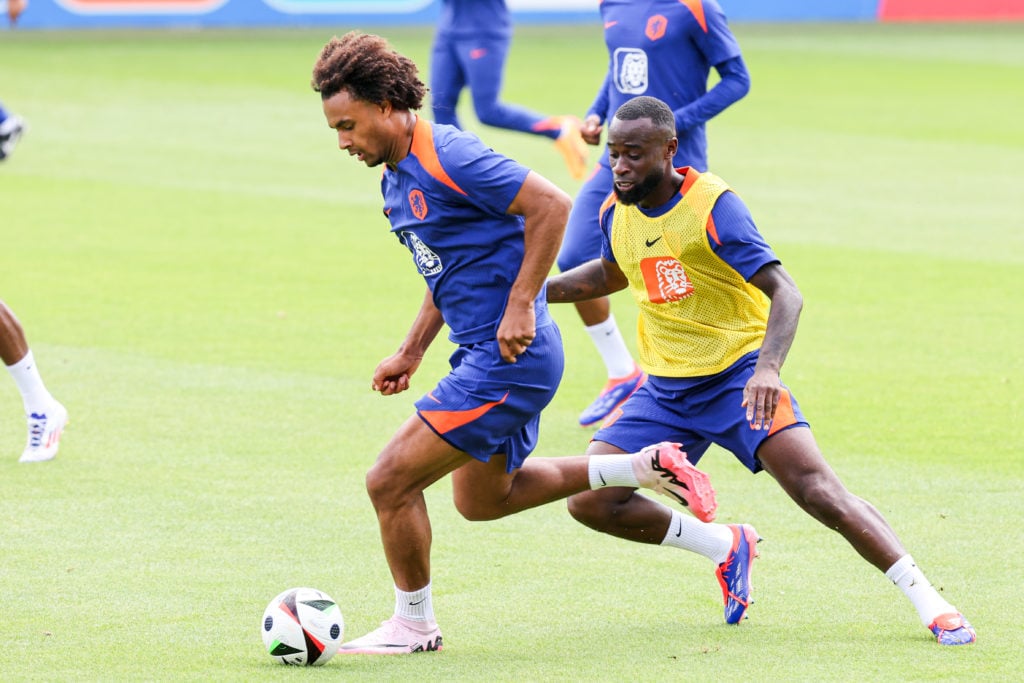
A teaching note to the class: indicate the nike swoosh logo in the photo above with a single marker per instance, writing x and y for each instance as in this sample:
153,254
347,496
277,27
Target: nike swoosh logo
651,243
609,24
420,602
603,482
679,532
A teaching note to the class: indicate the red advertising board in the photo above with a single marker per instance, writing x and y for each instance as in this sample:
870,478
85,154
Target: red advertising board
950,10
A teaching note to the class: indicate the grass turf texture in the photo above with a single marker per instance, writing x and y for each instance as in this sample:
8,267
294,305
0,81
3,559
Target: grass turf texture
208,284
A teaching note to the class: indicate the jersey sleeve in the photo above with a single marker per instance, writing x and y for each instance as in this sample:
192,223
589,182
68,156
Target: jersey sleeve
735,238
717,43
601,101
489,180
732,87
605,218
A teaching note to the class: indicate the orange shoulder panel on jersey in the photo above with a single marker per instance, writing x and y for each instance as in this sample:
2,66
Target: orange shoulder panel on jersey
689,178
697,7
712,230
444,421
606,206
423,148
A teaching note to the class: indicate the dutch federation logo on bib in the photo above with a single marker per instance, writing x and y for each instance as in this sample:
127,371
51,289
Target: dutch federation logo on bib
630,70
665,279
427,262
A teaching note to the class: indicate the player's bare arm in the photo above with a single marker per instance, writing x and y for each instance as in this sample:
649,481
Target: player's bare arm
392,374
761,394
545,209
590,280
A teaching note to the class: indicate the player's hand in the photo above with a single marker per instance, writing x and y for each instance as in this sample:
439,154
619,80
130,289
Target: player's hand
761,398
516,332
393,373
591,130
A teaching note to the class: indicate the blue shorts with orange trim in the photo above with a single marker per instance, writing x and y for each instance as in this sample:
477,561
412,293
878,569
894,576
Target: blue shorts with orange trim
697,412
486,406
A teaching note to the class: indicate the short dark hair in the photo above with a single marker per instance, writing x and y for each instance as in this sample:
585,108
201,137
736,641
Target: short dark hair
652,108
369,69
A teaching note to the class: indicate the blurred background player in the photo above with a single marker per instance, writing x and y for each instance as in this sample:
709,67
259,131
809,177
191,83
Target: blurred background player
470,49
11,128
14,10
718,315
664,49
46,417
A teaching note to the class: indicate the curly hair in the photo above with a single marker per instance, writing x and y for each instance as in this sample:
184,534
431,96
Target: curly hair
369,69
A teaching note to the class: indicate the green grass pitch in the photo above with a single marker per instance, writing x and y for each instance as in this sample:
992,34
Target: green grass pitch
208,284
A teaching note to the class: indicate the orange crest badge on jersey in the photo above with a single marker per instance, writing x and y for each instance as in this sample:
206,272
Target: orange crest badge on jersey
418,204
665,279
656,26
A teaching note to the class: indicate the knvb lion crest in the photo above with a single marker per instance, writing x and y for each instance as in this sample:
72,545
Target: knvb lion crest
666,279
427,262
630,71
418,204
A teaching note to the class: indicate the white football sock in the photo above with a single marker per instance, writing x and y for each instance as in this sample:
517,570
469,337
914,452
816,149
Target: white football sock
612,347
612,470
33,392
911,580
415,606
713,541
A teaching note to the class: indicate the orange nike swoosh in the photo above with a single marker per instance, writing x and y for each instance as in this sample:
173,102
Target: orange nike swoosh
609,24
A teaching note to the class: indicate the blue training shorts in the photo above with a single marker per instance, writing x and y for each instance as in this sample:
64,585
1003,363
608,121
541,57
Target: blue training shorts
697,412
486,406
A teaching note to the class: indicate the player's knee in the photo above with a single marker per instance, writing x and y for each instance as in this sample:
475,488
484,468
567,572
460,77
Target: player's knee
475,510
490,113
376,484
589,509
824,501
564,263
576,250
385,487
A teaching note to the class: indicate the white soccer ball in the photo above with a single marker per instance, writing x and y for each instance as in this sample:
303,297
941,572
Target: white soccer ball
302,626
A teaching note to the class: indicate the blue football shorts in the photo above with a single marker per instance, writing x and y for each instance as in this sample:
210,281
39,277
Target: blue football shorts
486,406
697,412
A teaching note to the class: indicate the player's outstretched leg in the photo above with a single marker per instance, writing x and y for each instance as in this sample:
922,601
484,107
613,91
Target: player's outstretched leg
663,467
396,636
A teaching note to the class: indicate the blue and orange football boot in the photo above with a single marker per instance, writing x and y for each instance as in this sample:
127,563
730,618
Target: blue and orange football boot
734,574
614,394
952,629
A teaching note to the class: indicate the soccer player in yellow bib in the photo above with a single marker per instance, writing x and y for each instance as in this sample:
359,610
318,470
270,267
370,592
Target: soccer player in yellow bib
718,314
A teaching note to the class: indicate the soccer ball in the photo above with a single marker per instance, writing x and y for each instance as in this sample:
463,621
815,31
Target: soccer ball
302,626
